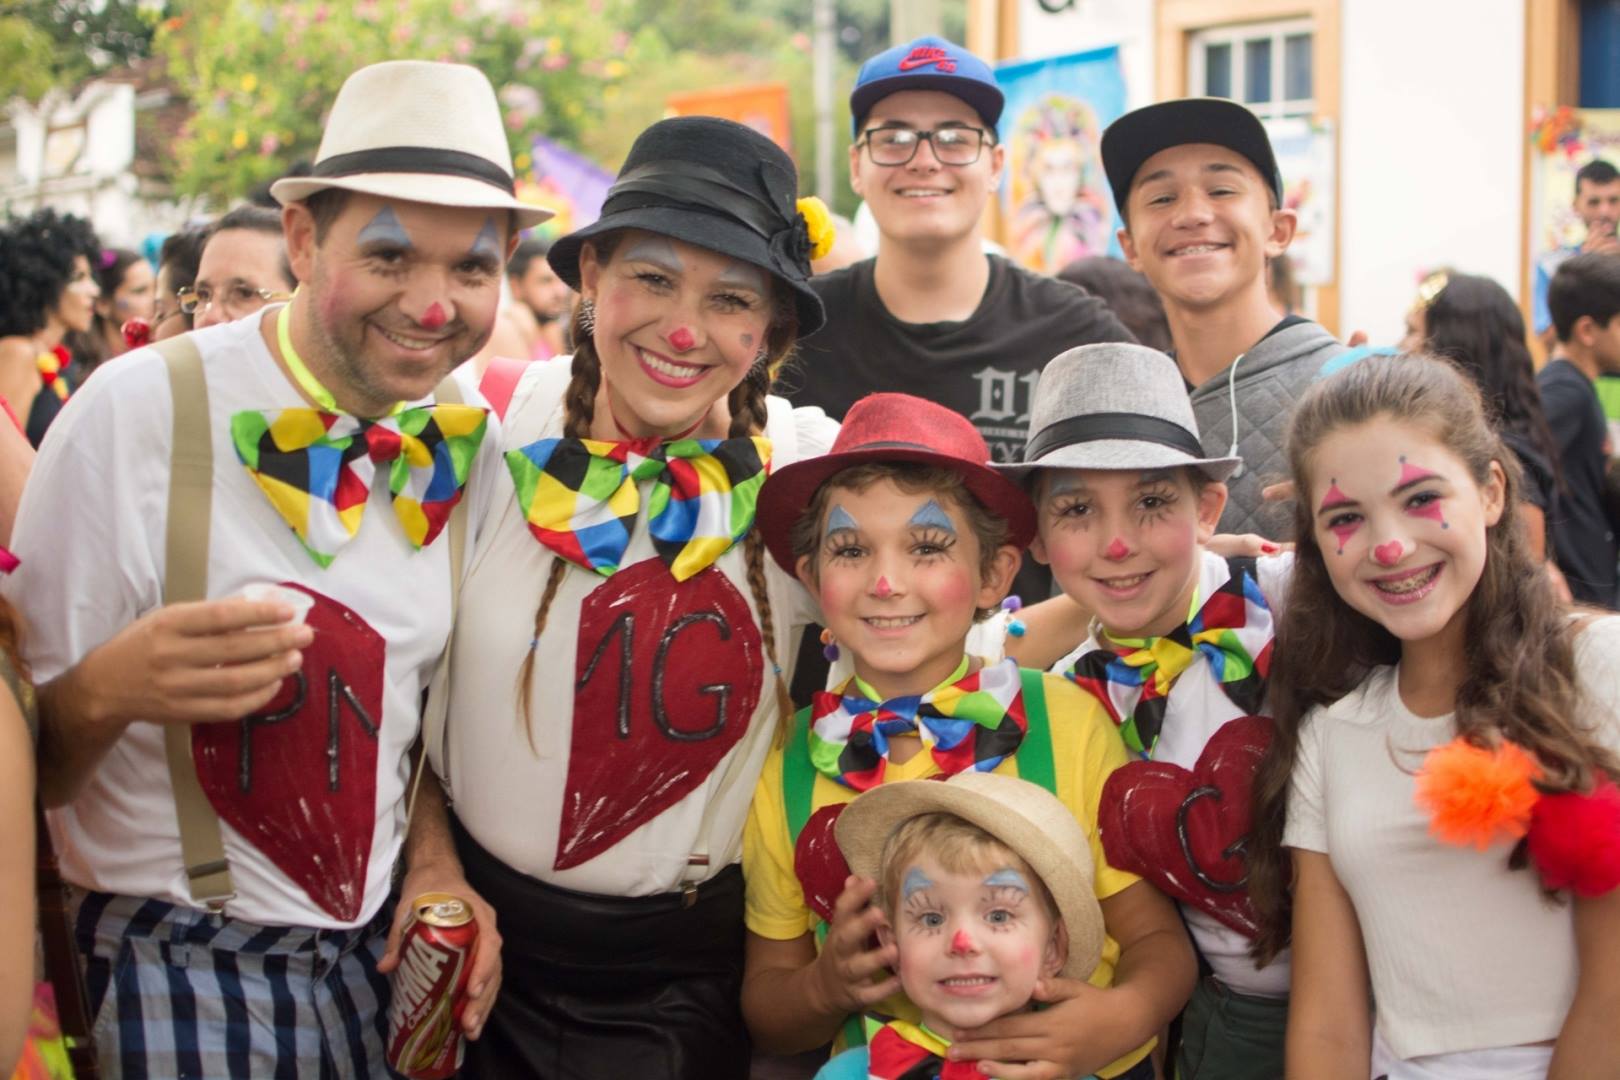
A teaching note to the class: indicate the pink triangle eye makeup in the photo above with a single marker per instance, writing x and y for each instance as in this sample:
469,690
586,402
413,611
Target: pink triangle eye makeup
1335,497
1413,474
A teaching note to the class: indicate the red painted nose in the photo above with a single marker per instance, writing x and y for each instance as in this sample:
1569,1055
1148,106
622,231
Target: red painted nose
1117,549
960,942
433,317
883,590
681,339
1389,554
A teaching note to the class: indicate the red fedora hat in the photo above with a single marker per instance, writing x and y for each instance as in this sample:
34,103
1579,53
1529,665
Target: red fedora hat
887,429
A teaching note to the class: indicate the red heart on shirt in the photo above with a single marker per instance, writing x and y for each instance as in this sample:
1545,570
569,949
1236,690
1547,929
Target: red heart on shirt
818,862
1187,831
298,779
666,679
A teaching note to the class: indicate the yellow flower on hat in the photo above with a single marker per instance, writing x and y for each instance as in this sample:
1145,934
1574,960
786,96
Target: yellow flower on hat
818,222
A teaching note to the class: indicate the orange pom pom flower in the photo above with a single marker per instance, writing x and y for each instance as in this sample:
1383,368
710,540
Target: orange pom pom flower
1477,796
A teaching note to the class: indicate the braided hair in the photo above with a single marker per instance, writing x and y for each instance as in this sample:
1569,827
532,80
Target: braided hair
749,414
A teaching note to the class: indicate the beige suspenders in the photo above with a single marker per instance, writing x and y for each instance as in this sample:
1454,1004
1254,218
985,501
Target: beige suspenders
185,578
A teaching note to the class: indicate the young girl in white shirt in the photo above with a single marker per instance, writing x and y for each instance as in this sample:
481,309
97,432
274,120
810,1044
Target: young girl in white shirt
1442,771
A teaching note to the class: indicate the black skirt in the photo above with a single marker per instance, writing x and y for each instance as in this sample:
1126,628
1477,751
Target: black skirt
609,987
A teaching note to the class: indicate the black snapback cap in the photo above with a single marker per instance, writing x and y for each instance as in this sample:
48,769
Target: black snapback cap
1133,138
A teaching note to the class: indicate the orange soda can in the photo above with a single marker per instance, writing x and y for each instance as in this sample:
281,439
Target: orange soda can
430,987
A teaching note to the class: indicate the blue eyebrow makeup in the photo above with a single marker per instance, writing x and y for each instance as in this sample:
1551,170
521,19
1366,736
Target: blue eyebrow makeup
915,882
385,228
932,515
1009,878
743,276
655,249
838,520
486,243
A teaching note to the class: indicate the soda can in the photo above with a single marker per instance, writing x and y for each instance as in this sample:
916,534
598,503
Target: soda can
430,984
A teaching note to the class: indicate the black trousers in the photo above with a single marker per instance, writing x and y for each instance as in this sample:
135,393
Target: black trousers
609,987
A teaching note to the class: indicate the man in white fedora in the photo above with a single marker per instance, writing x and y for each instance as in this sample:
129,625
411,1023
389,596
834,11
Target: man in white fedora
229,775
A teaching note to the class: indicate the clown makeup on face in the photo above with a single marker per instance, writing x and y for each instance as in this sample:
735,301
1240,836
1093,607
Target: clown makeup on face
900,578
1127,545
677,328
397,293
972,944
1402,531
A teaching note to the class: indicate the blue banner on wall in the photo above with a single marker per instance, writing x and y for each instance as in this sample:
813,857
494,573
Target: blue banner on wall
1054,196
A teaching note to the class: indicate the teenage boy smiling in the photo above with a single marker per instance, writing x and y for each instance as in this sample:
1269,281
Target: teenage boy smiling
931,313
1200,197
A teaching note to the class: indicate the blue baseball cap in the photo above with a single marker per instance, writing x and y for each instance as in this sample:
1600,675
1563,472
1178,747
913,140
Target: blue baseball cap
929,63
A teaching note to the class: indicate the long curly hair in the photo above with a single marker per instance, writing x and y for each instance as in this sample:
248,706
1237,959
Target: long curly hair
1474,323
748,417
36,264
1519,678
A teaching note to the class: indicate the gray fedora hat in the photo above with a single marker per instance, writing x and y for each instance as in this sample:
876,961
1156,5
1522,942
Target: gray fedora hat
1114,406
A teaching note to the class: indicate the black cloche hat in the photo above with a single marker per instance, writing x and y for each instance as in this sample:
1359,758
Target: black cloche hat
716,184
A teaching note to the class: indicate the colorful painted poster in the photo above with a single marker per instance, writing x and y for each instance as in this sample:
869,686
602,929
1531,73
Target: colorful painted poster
1305,157
762,106
1055,201
1564,140
568,183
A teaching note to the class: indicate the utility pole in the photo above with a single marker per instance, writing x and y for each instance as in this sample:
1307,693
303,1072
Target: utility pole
824,72
912,19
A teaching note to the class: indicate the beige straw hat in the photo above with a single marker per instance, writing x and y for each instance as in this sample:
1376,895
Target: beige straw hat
1026,817
418,131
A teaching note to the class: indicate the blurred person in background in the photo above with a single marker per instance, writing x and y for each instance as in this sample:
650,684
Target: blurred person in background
1128,294
243,267
128,290
177,271
1473,322
541,299
47,289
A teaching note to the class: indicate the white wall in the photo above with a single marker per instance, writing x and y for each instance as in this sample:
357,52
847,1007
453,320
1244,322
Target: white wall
1091,24
1431,143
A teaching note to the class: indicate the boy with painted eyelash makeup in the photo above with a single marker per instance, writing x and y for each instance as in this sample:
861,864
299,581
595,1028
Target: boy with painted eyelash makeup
1178,654
907,538
986,883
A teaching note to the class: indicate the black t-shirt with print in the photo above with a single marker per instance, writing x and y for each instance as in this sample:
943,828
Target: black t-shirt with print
984,367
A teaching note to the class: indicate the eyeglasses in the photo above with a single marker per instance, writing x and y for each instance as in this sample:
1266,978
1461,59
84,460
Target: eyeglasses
952,145
236,300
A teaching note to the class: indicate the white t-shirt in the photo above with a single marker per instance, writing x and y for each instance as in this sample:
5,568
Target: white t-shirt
1465,954
619,808
1196,709
90,534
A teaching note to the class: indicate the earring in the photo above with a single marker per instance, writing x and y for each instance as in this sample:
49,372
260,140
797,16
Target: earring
587,316
829,647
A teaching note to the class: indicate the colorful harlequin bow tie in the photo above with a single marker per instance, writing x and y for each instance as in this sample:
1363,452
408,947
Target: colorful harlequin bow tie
316,467
1132,677
966,722
581,497
905,1051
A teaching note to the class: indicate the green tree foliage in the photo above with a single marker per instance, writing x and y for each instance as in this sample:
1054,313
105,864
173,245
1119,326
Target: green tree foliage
590,74
50,43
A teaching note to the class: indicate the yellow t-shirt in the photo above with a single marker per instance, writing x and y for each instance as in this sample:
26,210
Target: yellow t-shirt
1086,748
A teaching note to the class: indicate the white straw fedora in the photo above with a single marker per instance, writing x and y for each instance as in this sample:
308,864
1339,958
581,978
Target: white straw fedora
1114,406
1030,820
419,131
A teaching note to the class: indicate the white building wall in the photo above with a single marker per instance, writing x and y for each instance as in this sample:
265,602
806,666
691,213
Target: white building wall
1091,24
1431,150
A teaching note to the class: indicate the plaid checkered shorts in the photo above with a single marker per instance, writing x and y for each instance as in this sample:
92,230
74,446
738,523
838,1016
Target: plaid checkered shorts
178,992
